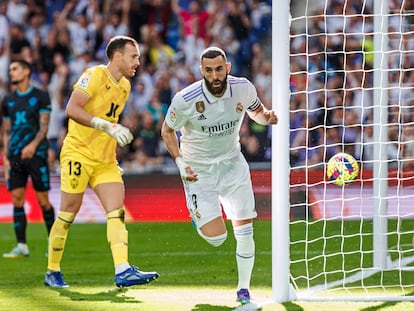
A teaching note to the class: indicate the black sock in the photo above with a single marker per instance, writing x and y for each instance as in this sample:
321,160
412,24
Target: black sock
49,217
20,223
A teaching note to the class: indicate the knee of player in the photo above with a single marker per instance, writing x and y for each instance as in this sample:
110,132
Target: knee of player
214,240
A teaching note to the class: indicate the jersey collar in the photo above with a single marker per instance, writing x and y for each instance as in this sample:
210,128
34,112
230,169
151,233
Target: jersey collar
211,98
31,87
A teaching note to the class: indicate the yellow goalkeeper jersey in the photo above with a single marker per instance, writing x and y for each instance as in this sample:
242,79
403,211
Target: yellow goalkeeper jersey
107,99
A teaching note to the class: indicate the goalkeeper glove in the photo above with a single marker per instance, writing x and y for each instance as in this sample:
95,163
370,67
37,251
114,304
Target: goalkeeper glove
187,175
121,134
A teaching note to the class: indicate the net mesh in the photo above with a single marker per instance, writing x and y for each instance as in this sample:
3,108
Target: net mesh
332,110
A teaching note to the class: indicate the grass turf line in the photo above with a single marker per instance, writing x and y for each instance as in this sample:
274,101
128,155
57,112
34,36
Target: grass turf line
193,275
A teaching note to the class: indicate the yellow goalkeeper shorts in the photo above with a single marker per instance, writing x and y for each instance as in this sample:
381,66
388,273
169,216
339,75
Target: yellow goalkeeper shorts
78,171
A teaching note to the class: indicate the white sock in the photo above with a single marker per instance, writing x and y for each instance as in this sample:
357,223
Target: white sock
245,248
121,267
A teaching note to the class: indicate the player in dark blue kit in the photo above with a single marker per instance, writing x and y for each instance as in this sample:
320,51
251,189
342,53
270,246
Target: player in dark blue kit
26,114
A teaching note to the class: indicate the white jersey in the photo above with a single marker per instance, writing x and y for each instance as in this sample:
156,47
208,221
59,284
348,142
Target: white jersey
209,125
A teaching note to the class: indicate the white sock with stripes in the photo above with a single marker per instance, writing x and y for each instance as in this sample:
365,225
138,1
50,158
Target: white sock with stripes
245,252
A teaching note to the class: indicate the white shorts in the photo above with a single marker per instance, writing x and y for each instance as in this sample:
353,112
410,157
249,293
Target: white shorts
227,183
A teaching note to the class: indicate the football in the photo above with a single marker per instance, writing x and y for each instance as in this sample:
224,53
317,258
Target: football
342,169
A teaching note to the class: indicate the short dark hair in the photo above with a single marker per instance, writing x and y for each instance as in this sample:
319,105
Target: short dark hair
118,43
213,52
23,63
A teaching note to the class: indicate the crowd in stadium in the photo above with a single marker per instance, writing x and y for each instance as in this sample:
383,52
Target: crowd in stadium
62,38
331,66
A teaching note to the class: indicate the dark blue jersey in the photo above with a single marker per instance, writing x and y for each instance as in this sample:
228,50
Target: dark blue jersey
23,110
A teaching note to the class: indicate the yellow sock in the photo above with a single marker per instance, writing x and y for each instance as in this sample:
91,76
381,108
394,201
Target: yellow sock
57,239
117,236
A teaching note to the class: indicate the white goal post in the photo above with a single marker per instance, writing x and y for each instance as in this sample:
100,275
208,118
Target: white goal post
343,81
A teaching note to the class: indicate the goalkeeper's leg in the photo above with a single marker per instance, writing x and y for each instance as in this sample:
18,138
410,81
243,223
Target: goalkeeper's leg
57,239
125,275
117,236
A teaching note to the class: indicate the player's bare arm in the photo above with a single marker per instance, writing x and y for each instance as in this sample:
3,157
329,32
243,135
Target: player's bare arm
29,150
171,142
264,116
6,138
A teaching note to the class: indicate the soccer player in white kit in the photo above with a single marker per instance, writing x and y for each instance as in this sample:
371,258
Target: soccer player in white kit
209,114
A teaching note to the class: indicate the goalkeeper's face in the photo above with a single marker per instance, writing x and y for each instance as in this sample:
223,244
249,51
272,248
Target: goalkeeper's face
130,60
215,71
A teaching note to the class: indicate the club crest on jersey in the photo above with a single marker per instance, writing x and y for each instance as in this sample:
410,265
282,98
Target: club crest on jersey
74,183
239,107
200,106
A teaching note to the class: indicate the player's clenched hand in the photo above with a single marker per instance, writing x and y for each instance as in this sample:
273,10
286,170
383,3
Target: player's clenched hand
122,135
187,174
271,117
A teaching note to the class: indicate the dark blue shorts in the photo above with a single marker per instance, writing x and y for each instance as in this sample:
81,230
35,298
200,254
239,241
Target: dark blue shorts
37,168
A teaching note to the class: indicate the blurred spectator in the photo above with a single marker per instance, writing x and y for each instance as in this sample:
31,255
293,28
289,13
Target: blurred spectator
407,146
222,35
36,28
160,54
140,96
194,24
239,19
160,15
17,11
61,38
157,109
163,84
263,83
145,147
115,25
4,47
46,52
137,19
18,42
261,17
82,34
57,91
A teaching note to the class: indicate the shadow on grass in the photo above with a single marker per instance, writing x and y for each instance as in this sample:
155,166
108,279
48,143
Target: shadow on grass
206,307
290,306
114,295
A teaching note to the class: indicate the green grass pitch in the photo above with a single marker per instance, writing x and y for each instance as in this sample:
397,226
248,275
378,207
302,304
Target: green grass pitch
193,275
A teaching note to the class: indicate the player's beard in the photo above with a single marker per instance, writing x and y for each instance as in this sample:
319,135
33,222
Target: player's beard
216,90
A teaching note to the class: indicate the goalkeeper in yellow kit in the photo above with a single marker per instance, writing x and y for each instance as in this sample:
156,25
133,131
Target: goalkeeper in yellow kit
88,157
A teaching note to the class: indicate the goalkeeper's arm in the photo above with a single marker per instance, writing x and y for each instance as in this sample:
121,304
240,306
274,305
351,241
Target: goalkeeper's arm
75,110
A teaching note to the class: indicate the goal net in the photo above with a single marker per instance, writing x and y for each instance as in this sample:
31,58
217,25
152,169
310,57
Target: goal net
351,90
